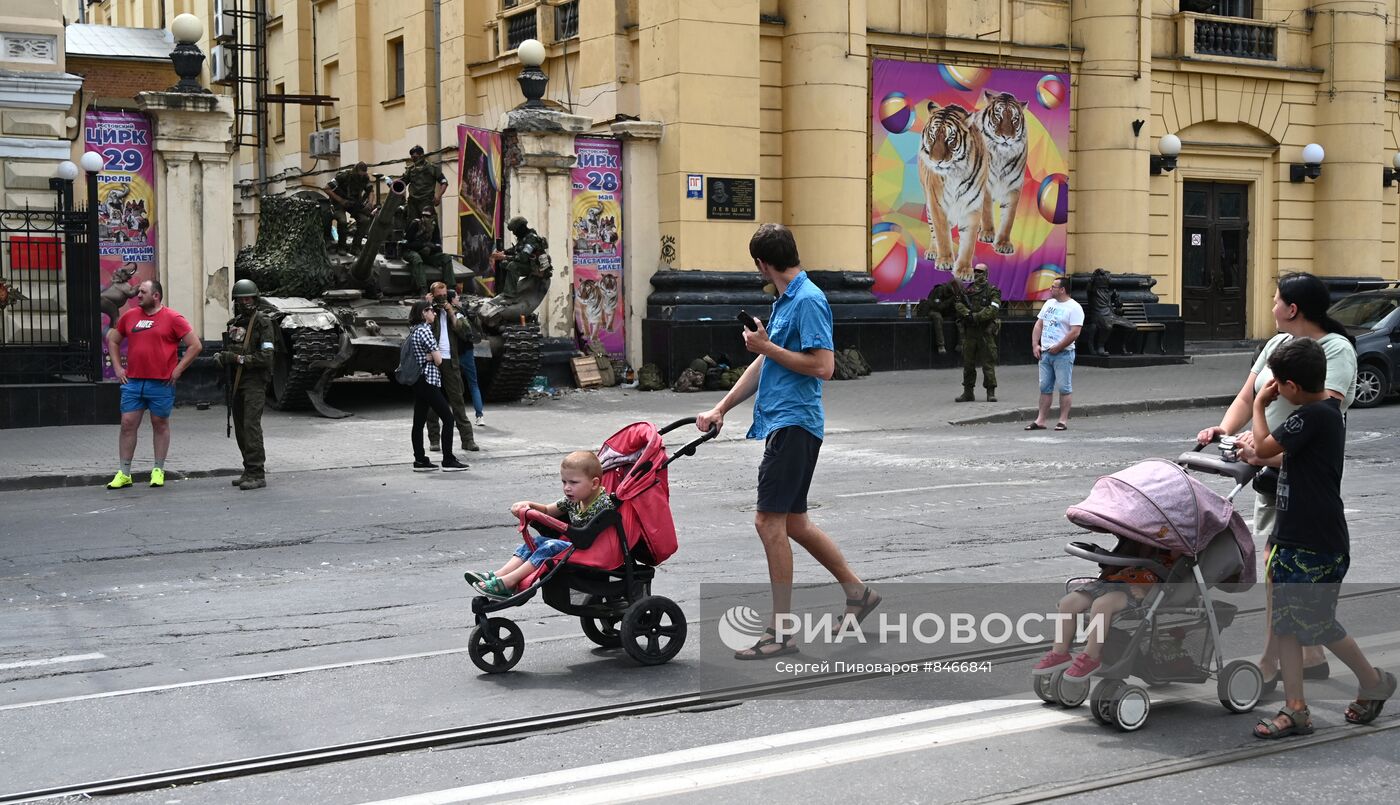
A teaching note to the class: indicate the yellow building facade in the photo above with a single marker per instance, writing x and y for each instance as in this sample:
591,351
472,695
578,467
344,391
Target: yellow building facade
780,91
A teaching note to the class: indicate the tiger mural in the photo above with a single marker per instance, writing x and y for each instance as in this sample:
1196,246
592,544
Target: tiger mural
1002,123
953,165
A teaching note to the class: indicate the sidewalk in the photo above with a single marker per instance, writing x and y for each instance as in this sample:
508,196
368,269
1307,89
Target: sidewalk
378,433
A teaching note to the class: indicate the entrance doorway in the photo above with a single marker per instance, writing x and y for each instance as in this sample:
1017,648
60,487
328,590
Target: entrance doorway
1214,244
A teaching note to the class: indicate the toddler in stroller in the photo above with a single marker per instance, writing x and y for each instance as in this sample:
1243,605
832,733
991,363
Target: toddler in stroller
598,564
1173,632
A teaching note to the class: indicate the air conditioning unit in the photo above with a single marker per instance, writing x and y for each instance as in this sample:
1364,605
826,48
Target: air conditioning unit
324,143
225,23
222,67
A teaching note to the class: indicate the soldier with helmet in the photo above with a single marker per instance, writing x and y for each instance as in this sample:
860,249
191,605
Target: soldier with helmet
979,323
246,357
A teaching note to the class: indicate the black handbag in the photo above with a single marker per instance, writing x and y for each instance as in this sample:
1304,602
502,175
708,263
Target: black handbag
1266,482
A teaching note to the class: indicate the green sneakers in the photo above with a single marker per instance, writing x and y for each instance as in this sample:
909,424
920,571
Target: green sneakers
157,477
119,481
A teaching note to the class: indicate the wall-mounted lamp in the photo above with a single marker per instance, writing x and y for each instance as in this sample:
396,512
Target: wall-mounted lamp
1389,175
1311,167
1164,161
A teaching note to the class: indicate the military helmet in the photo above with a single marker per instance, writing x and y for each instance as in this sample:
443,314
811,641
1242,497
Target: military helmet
244,288
517,224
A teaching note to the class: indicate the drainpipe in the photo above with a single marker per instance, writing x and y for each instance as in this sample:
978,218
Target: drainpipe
435,111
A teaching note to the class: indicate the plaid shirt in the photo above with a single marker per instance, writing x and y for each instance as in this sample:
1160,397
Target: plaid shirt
422,342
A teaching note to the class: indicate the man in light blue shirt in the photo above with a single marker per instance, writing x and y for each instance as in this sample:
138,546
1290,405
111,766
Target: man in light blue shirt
795,355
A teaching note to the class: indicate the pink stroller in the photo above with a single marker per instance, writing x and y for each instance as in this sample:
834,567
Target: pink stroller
605,576
1175,635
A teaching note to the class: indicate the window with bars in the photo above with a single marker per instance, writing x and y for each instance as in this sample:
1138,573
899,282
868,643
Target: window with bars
566,21
519,28
1221,8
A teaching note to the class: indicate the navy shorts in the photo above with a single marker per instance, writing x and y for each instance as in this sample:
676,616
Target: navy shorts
157,396
1305,585
789,460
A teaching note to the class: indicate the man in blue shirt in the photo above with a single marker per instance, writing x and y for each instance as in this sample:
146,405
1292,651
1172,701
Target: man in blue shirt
795,354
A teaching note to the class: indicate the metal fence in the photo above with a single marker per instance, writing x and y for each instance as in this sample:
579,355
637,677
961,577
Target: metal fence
50,314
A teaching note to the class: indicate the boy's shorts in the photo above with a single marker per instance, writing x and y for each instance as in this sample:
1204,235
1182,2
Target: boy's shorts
785,475
156,396
1304,589
1056,372
544,549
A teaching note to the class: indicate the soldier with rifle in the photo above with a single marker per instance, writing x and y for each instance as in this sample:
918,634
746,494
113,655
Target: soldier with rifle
979,321
522,275
245,359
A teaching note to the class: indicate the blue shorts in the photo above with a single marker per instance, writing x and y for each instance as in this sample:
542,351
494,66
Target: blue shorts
1056,371
544,549
157,396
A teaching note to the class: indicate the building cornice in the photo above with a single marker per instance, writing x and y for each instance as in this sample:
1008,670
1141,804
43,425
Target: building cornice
38,90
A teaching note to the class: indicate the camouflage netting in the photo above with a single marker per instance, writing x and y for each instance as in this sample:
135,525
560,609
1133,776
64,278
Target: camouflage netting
289,258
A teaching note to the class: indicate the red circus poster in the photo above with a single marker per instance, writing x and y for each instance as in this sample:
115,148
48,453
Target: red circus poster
596,244
126,207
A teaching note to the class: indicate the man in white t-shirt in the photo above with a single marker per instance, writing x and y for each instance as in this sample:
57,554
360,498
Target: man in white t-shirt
1052,342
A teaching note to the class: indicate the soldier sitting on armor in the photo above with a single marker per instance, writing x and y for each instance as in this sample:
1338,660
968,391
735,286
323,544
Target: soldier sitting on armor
425,246
350,191
940,303
522,275
1105,312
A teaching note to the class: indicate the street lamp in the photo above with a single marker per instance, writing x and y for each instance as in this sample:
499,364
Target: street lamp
532,79
62,184
1311,167
186,57
1389,175
1168,147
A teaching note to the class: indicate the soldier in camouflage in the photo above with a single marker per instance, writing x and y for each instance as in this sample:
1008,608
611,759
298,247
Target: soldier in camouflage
425,181
425,249
939,303
350,190
247,354
979,322
522,274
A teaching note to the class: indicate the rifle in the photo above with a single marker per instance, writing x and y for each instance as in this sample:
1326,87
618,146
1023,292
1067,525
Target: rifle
230,390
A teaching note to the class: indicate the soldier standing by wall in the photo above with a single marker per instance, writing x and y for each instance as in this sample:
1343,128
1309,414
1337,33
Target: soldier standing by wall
979,322
350,190
425,181
247,354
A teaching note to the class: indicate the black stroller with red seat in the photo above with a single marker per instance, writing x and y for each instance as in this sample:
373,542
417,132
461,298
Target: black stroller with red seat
604,577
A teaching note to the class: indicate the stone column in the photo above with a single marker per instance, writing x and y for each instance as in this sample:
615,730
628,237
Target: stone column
825,148
1112,88
1349,44
641,224
194,199
541,189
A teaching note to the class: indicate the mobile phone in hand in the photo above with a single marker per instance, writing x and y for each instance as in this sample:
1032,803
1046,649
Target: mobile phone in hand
748,321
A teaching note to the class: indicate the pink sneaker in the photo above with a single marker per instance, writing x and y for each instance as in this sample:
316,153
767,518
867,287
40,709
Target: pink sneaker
1083,666
1051,662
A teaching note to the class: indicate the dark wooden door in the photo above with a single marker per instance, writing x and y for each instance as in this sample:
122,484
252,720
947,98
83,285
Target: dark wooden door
1214,245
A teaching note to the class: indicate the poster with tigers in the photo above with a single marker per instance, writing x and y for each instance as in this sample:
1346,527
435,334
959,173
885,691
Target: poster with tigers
968,165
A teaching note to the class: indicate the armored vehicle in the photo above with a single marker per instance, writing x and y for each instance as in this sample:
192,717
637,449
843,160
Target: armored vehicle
337,313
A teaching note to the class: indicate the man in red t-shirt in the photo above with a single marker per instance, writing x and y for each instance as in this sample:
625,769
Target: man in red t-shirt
153,334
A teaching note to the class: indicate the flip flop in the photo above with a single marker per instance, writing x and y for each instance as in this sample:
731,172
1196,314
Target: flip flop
1034,426
1061,426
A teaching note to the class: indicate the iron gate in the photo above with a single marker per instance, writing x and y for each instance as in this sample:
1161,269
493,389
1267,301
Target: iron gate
50,319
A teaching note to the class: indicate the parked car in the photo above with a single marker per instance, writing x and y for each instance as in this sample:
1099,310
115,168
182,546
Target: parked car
1373,319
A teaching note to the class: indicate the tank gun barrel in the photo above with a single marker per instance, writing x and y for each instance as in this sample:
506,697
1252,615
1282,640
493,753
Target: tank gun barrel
379,230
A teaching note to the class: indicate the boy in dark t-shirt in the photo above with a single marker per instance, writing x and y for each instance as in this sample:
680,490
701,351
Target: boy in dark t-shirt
1311,550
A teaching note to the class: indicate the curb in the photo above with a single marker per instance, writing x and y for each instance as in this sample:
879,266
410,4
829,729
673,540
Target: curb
60,481
1103,409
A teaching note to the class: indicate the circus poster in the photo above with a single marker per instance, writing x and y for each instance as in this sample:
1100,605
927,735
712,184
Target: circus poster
596,245
126,208
907,259
479,195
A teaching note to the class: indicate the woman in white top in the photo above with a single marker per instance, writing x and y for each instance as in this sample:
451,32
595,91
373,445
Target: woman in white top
1300,311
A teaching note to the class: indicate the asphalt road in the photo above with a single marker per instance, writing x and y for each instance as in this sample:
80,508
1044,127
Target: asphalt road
160,628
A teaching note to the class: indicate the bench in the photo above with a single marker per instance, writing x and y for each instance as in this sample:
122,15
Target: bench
1150,332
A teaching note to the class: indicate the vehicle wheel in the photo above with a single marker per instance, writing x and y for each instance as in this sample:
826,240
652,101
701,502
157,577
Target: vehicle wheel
1068,691
1101,701
653,630
1371,386
1042,685
1240,686
497,647
1130,708
603,631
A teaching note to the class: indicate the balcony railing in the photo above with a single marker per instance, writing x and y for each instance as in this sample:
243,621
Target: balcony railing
1230,37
